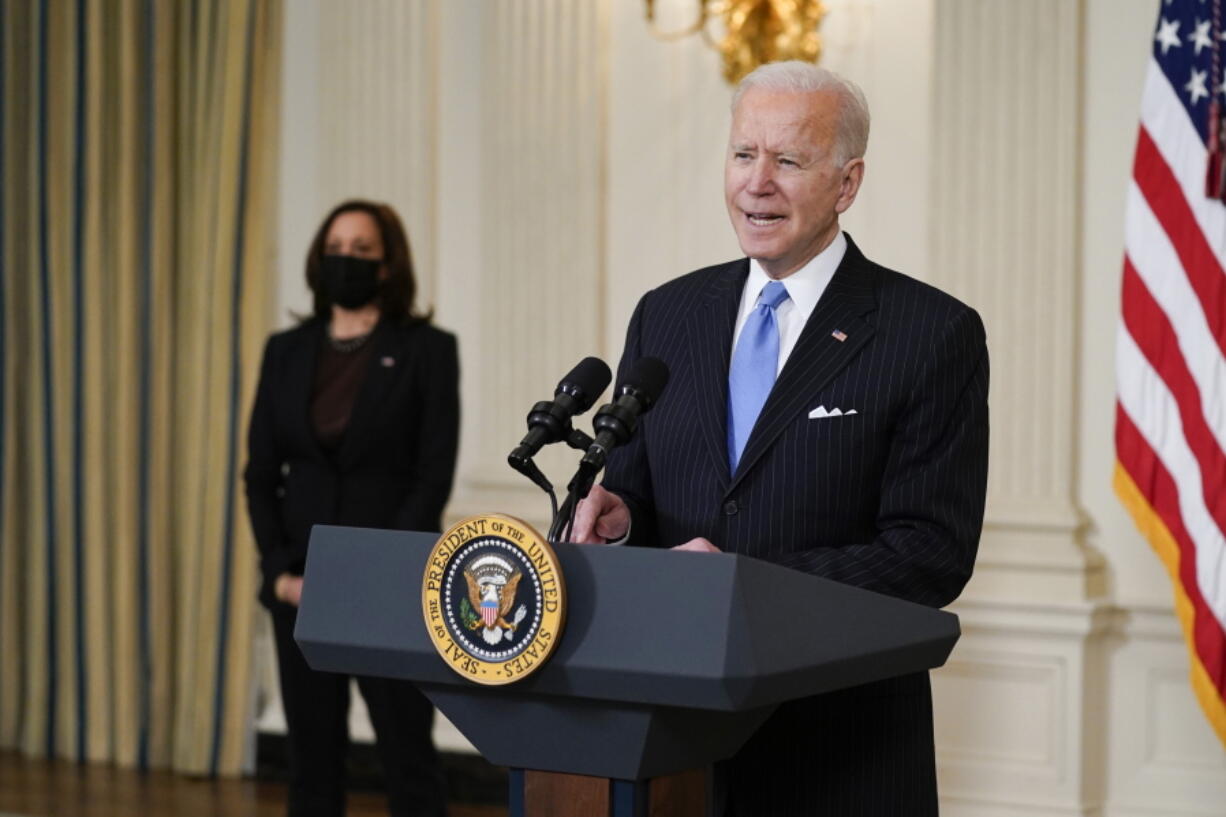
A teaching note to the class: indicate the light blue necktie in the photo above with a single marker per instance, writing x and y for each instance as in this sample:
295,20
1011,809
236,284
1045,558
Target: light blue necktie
752,373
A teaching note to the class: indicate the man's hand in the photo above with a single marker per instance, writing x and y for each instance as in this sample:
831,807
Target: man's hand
600,517
699,545
288,589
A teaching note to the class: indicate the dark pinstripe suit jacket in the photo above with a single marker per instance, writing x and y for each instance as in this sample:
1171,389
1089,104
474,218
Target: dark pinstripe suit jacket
889,499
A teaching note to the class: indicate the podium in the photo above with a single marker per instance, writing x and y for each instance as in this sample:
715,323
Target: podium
668,661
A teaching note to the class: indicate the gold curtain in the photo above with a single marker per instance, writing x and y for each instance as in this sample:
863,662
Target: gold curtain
138,157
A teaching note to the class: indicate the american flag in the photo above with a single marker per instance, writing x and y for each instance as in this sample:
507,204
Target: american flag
1171,351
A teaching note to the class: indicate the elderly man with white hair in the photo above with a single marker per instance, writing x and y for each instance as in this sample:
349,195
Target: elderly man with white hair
823,413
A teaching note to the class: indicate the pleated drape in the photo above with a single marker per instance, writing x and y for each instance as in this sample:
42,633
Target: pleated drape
137,153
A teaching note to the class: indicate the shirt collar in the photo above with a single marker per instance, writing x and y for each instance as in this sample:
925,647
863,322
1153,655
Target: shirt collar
806,285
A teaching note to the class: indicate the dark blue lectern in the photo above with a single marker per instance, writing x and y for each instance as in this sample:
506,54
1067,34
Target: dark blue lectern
668,661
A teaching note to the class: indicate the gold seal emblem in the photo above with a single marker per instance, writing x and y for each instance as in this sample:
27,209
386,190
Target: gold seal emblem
493,599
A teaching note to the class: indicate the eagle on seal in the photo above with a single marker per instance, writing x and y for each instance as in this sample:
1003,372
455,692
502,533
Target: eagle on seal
493,601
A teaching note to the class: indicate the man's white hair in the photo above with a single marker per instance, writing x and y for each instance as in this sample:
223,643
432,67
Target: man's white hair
805,77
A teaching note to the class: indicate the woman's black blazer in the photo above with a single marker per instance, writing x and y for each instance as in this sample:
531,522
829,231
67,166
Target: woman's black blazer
395,465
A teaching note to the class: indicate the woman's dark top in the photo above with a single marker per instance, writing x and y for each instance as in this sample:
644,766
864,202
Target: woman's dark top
338,379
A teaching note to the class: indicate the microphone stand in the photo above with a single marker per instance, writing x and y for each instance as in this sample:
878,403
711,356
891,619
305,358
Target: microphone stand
578,489
563,518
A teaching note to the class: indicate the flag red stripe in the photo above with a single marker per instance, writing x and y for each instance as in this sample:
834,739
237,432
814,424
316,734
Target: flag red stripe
1166,199
1156,483
1150,327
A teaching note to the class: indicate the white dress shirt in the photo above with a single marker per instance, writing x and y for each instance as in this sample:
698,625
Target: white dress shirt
805,287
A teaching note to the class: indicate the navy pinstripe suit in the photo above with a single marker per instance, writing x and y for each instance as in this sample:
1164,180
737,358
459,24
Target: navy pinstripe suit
889,499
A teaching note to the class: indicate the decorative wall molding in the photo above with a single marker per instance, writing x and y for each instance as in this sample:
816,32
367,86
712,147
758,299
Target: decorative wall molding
1041,565
1165,759
1013,713
1072,709
1033,684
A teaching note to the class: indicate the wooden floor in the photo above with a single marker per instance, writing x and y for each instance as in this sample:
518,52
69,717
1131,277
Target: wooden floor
35,788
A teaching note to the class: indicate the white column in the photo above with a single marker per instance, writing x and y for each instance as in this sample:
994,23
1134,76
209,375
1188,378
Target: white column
667,135
299,204
1005,239
1019,721
377,110
537,296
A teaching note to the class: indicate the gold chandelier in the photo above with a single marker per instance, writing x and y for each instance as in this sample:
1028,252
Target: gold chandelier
755,31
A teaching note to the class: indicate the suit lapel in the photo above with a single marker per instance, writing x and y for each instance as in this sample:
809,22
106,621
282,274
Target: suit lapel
386,363
710,329
818,355
300,383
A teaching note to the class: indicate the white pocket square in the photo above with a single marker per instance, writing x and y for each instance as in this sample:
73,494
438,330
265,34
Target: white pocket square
821,412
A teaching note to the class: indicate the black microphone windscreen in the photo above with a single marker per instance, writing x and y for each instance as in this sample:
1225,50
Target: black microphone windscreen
589,378
648,375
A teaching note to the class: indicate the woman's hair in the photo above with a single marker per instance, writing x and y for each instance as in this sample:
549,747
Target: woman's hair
398,290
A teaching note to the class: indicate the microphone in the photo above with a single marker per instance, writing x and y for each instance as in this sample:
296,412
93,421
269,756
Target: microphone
549,420
616,422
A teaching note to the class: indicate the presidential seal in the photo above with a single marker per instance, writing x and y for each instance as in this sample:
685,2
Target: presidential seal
493,599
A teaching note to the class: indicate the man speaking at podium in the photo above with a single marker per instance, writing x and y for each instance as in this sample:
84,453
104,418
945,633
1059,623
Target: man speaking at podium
823,413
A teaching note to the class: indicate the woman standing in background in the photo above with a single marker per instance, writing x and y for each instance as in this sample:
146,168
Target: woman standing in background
356,422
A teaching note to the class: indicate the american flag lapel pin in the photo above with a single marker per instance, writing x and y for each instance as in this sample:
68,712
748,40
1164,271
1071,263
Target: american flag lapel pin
388,361
839,335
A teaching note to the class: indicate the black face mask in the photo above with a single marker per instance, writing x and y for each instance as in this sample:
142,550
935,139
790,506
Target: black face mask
348,281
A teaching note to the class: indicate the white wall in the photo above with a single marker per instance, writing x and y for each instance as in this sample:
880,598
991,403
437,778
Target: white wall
548,153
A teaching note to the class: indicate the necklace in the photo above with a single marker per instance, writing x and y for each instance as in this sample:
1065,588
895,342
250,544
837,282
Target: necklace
344,345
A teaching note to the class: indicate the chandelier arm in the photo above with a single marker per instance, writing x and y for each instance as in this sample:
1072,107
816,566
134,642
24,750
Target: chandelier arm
671,36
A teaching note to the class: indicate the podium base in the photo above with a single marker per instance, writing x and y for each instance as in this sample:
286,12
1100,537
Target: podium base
553,794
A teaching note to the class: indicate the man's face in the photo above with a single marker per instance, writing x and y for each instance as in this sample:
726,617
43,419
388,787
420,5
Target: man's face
784,192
